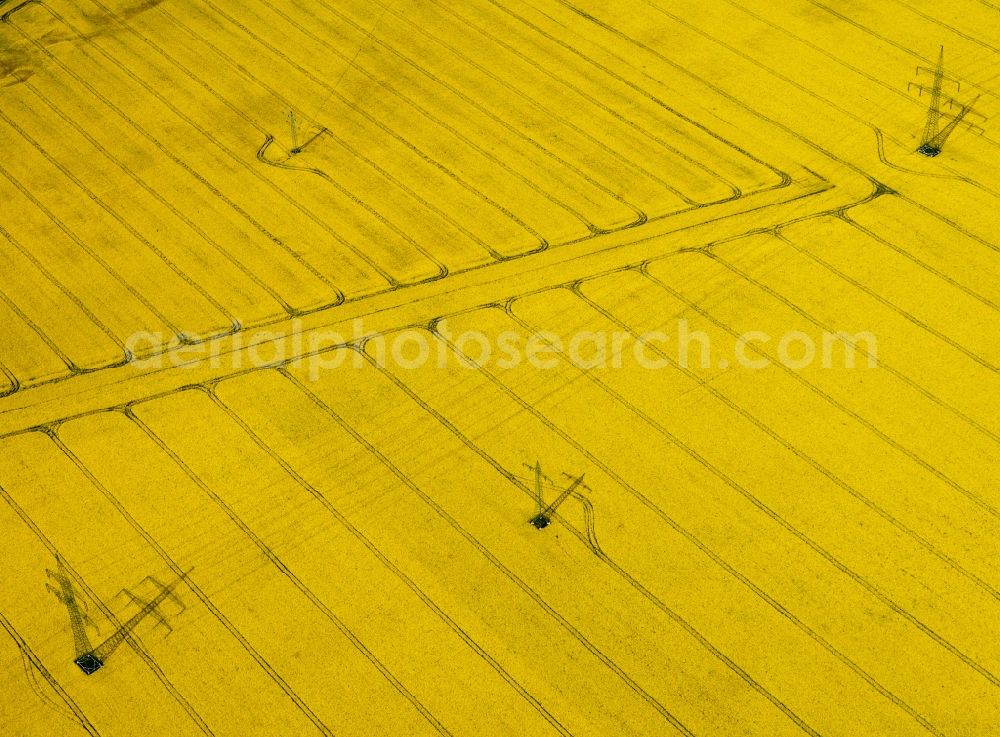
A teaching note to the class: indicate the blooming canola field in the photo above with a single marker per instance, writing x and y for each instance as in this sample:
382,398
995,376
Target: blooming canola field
569,367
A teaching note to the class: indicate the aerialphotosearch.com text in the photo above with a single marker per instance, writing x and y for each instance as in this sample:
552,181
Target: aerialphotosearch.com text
677,345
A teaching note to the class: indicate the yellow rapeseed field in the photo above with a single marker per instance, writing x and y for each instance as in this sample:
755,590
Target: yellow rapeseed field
584,368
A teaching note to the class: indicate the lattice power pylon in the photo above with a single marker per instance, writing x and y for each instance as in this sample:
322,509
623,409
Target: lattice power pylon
935,136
